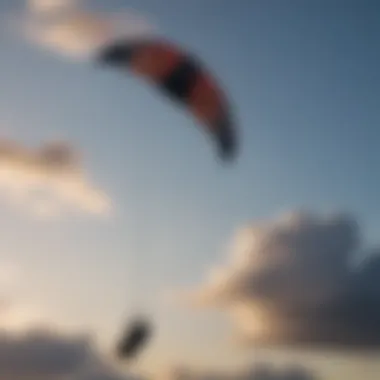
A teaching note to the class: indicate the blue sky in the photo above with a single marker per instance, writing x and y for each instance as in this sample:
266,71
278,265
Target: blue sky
305,83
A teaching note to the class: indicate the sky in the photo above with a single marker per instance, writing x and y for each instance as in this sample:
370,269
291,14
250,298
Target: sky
145,210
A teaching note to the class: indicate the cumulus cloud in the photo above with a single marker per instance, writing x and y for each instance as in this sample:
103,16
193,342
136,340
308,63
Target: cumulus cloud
45,354
47,180
257,372
66,27
297,281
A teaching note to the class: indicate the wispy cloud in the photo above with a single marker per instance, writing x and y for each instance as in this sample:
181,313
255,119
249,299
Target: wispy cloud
48,180
42,7
68,28
296,281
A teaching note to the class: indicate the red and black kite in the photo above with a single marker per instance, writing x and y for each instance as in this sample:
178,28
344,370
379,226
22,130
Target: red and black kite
183,79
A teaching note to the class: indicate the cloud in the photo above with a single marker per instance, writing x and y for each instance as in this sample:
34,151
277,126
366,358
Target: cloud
257,372
48,180
42,7
297,281
45,354
67,28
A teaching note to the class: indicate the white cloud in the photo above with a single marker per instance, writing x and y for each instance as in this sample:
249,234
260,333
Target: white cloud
292,281
48,180
67,28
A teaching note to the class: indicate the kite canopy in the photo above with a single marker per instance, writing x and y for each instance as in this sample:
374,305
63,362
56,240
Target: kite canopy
181,77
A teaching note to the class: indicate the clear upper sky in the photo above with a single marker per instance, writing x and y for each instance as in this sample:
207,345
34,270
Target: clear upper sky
304,77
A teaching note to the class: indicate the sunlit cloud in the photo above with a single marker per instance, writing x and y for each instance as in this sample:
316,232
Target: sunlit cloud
67,28
297,281
43,7
48,181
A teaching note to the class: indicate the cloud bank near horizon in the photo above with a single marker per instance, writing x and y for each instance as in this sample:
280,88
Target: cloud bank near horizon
46,354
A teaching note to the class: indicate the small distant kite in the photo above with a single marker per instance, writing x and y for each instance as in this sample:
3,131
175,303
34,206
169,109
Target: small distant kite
134,339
